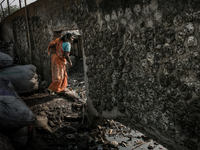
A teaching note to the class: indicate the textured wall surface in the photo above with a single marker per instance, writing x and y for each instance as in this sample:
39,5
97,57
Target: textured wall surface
141,59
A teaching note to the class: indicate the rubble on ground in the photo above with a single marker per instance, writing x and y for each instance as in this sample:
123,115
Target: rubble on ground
62,123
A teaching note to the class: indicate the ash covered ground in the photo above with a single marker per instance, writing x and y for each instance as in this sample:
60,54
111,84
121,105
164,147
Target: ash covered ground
63,123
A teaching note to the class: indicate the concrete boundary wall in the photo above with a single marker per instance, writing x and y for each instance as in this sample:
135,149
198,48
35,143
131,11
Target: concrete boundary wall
141,60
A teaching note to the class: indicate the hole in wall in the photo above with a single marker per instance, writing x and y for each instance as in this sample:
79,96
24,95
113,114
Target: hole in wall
76,72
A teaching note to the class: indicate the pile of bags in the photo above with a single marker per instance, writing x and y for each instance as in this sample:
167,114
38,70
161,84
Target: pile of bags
23,77
16,118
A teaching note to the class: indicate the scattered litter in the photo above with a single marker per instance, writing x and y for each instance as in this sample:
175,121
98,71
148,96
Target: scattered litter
70,126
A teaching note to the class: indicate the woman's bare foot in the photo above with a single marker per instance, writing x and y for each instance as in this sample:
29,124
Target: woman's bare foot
50,93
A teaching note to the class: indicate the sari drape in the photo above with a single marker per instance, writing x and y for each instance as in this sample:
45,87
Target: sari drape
58,68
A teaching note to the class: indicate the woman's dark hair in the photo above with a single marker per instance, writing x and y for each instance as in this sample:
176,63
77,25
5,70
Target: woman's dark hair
68,35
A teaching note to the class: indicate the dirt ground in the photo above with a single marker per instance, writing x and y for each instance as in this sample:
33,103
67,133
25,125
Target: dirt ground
63,123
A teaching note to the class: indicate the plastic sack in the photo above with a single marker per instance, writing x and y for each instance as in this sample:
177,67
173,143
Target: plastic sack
21,138
23,77
14,113
5,143
5,60
8,48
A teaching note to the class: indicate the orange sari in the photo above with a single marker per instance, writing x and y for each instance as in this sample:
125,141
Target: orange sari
58,68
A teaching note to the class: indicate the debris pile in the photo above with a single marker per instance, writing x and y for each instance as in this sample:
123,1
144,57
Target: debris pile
62,123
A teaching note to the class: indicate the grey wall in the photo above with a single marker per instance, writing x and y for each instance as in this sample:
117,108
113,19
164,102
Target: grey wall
141,60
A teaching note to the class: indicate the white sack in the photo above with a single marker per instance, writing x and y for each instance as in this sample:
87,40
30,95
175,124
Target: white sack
23,77
5,60
14,113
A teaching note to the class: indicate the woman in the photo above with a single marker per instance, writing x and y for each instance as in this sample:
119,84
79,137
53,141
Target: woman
58,62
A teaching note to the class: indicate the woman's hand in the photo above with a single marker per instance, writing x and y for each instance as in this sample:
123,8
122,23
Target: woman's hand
70,64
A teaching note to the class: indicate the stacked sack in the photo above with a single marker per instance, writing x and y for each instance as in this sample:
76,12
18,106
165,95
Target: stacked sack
5,143
15,115
7,54
16,118
5,60
23,77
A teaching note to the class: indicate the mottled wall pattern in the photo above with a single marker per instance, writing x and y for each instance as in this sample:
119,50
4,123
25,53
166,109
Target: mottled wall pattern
142,61
39,40
20,34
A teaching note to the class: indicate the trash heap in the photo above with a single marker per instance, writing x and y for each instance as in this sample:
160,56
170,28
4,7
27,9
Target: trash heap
16,118
39,121
63,124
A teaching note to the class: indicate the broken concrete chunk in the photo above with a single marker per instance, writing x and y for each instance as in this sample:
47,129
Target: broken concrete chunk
42,122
